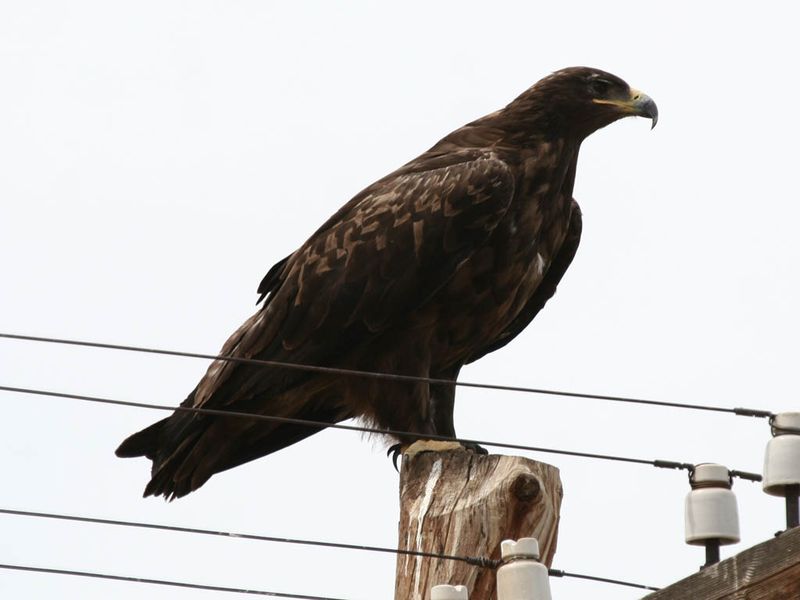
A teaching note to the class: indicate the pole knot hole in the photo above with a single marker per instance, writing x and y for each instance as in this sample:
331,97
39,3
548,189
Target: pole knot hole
526,487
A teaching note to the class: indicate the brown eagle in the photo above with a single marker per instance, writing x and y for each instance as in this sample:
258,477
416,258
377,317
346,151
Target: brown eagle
442,261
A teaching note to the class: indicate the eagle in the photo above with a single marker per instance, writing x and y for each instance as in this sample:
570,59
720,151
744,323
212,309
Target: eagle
426,270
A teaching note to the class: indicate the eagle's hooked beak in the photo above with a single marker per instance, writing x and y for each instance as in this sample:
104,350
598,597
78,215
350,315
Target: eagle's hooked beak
638,104
643,106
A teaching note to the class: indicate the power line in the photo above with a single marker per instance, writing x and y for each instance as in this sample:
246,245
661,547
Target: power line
748,412
479,561
663,464
560,573
182,584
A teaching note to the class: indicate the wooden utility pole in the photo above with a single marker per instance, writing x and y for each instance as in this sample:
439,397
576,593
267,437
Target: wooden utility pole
459,503
768,571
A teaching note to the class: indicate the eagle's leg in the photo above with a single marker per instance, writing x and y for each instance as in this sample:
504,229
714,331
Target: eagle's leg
443,400
436,421
415,419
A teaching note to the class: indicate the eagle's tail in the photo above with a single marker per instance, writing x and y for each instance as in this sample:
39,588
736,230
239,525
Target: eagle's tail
187,451
142,443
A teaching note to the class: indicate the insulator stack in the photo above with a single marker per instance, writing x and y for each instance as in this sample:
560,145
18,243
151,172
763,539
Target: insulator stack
522,576
711,513
449,592
782,463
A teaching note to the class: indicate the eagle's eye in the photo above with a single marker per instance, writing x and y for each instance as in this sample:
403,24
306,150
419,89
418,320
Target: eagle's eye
600,86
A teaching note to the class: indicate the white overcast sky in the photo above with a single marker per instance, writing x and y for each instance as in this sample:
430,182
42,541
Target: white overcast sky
156,158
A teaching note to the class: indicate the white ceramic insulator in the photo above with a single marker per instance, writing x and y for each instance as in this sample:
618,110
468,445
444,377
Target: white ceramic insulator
527,547
522,576
705,473
782,458
711,512
449,592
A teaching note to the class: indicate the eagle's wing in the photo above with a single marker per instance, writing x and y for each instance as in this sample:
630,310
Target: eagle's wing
376,260
547,287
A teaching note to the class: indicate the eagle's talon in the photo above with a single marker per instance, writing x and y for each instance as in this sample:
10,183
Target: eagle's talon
423,445
395,451
474,447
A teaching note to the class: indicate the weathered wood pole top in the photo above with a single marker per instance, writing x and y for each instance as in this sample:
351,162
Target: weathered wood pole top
459,503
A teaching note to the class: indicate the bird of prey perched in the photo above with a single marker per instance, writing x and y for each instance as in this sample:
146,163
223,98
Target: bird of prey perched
442,261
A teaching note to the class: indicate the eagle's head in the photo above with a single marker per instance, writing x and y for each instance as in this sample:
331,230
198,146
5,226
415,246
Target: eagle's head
581,100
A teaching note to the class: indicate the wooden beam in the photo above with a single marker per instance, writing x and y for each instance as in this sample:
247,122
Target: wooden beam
768,571
458,503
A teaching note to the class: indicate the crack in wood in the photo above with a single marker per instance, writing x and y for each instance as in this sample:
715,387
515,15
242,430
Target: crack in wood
466,509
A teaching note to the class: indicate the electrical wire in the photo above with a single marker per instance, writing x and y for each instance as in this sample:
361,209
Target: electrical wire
560,573
479,561
748,412
182,584
662,464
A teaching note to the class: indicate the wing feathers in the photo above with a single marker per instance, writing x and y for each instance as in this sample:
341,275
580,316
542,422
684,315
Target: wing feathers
400,241
381,257
546,289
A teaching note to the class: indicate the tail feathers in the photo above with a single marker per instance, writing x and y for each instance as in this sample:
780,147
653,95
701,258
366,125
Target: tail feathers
142,443
280,438
163,480
166,443
187,451
194,462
